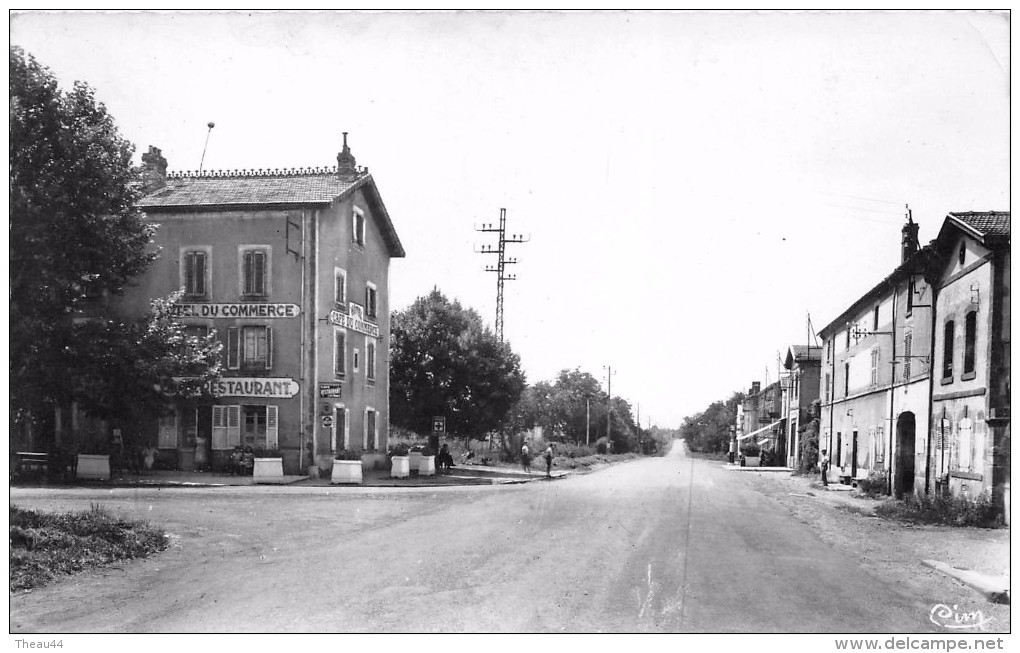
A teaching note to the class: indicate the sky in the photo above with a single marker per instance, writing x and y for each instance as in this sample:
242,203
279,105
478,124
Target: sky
693,185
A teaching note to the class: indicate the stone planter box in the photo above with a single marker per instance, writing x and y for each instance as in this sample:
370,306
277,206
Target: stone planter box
752,461
427,466
93,467
414,460
268,470
400,467
346,471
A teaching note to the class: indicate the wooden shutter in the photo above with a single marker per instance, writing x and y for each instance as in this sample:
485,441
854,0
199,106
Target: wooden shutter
189,273
233,426
199,272
248,278
259,271
370,363
220,442
272,428
347,427
233,347
269,348
339,354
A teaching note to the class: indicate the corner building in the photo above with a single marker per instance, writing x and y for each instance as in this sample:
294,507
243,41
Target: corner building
291,270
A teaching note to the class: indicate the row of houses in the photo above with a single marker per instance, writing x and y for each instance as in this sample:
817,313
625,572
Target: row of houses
913,377
290,269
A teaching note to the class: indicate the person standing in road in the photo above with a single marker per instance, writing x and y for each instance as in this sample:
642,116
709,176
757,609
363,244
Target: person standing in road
548,460
823,464
526,458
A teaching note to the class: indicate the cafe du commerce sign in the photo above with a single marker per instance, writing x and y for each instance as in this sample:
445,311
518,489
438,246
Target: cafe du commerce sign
267,387
236,310
354,319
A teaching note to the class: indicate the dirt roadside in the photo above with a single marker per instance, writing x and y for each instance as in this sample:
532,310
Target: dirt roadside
892,549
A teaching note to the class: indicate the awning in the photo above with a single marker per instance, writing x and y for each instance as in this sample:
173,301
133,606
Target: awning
763,441
761,430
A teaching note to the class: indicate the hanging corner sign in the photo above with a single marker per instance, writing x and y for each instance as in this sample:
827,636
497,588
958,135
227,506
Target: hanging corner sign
439,424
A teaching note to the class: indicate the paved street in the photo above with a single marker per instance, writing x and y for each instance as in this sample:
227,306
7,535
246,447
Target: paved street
668,544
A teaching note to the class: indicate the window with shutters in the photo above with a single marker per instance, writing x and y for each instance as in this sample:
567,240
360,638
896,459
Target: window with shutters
371,436
874,366
948,334
371,300
254,271
969,345
339,352
220,440
358,227
340,286
195,272
370,359
257,347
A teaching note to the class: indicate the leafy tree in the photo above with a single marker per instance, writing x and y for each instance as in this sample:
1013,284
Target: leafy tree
709,430
76,238
444,361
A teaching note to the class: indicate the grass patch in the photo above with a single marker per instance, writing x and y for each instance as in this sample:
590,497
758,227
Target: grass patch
948,511
47,545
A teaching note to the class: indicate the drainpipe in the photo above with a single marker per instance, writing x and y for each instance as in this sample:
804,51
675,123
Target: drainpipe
303,362
313,348
892,399
931,391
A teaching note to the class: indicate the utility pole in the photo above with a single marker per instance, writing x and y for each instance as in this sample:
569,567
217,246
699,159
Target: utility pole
609,407
501,264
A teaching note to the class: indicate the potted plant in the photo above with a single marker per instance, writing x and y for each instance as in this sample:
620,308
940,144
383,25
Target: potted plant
268,465
399,461
427,464
414,459
346,467
752,455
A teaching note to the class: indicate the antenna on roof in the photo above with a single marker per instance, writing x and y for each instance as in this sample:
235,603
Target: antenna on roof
202,162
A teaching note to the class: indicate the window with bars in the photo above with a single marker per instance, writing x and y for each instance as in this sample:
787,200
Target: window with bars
255,272
195,266
908,343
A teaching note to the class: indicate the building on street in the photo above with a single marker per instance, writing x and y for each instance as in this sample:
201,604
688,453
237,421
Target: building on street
875,376
290,268
970,399
802,364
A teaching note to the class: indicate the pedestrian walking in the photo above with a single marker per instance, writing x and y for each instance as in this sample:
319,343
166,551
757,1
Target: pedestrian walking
823,464
526,458
548,460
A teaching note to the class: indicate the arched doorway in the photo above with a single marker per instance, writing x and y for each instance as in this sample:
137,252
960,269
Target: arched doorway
905,457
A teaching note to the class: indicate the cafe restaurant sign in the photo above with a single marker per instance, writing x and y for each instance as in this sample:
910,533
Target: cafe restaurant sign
353,321
236,310
269,387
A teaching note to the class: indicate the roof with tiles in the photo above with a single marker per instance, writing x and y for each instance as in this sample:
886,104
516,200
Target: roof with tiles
292,187
984,224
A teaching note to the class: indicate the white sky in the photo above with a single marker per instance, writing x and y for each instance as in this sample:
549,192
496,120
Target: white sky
694,184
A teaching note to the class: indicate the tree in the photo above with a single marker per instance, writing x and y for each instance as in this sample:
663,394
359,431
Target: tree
709,430
444,361
76,238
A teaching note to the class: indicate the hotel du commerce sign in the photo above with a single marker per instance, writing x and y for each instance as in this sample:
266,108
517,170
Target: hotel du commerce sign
237,310
354,319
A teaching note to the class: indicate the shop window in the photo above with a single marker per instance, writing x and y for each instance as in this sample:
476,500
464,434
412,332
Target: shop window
948,334
255,272
969,345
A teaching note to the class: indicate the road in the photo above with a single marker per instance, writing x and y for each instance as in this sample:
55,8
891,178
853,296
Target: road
670,544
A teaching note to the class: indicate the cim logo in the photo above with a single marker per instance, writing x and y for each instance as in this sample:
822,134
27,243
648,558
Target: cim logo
942,615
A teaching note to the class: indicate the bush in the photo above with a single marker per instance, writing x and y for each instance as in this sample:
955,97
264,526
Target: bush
399,449
347,454
874,485
950,511
751,450
602,446
263,452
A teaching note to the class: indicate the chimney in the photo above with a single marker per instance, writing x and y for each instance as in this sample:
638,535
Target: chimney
910,243
153,170
755,387
345,164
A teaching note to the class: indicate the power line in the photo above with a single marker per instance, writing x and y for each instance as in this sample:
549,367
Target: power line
502,262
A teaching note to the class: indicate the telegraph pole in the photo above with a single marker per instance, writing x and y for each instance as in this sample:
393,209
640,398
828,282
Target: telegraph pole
609,406
501,264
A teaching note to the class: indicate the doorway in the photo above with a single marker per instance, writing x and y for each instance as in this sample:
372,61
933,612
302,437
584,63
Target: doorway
253,426
905,437
853,457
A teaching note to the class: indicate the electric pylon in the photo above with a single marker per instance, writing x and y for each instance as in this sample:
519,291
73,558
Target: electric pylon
502,262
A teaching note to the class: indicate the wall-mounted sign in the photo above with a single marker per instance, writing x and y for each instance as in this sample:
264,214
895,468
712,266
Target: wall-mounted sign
327,421
354,323
236,310
439,425
331,390
245,387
